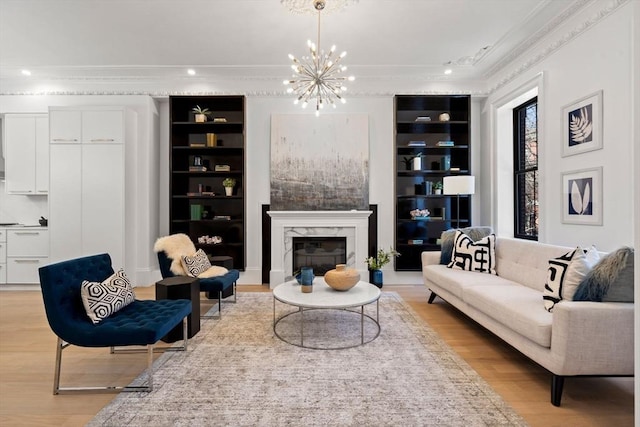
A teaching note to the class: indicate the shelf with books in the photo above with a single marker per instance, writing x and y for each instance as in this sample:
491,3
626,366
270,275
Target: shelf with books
436,129
202,156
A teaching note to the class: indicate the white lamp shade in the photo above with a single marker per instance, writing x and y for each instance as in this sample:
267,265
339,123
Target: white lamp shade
460,184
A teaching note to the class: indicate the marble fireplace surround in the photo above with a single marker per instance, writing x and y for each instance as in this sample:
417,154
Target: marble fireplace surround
285,225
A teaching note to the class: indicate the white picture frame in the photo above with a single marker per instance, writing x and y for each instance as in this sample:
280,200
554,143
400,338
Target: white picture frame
582,196
582,125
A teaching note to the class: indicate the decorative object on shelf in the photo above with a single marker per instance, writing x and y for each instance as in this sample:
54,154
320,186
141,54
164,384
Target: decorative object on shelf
228,184
342,278
43,221
206,240
437,188
444,117
582,196
445,162
200,114
375,264
416,163
306,279
582,125
212,140
461,184
408,161
419,213
319,75
222,168
196,212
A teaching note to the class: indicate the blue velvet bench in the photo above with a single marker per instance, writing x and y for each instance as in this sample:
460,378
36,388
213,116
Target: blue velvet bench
141,323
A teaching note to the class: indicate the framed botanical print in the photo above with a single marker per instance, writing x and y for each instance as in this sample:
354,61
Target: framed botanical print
582,197
582,125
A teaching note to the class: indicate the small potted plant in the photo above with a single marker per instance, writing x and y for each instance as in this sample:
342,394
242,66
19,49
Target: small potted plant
201,114
228,184
375,264
437,187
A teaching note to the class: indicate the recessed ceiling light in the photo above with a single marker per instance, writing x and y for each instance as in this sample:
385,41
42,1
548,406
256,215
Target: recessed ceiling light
191,72
448,71
26,72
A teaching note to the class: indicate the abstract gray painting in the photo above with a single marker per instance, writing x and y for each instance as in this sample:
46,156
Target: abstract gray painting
319,163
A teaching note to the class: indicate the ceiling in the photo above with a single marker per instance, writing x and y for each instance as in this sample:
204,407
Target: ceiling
135,40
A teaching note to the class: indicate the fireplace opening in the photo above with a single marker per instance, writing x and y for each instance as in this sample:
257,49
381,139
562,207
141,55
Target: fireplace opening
320,253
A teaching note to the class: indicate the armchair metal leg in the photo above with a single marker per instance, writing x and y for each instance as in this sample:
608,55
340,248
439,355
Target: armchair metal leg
61,345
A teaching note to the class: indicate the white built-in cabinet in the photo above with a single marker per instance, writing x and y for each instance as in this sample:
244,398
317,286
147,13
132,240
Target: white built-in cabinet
26,138
87,182
3,256
27,251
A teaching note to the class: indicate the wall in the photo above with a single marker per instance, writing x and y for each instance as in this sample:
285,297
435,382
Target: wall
598,58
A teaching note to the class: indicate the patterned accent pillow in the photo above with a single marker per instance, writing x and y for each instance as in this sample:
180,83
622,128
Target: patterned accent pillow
565,274
102,299
196,264
479,256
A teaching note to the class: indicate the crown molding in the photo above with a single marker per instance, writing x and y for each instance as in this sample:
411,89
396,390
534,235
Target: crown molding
555,44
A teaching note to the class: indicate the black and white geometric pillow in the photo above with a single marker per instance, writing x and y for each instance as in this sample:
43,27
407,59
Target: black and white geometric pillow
556,275
196,264
478,256
102,299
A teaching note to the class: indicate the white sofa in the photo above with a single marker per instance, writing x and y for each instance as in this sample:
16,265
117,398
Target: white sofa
577,338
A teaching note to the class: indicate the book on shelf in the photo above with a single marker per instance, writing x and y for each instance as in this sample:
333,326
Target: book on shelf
445,144
223,217
193,194
454,169
196,145
197,168
208,193
212,140
219,120
416,242
417,144
222,168
423,119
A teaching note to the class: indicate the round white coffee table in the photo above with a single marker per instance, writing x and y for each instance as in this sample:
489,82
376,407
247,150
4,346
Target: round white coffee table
324,297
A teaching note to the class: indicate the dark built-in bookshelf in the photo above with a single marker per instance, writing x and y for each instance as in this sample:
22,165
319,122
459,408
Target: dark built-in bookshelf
202,156
436,128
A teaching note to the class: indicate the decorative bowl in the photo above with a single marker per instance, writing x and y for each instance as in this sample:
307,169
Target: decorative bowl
342,278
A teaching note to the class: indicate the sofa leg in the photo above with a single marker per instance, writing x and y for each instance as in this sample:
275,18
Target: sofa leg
557,382
432,297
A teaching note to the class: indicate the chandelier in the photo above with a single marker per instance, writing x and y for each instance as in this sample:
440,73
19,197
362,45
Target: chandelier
318,76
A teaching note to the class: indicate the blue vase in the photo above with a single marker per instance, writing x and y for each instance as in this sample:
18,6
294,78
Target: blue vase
376,278
306,276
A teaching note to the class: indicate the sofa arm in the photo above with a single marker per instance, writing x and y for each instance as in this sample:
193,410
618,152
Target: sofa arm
430,258
592,338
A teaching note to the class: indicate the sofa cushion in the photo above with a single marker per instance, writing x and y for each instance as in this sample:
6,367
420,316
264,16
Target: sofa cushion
565,274
611,279
447,236
517,307
455,281
479,256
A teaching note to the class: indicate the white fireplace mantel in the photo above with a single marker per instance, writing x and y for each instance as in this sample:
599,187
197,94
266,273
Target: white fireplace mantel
354,225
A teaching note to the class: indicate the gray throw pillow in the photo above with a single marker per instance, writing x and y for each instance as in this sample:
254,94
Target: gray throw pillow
610,280
447,237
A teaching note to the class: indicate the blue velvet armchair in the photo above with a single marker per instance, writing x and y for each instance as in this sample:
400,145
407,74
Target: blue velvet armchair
141,323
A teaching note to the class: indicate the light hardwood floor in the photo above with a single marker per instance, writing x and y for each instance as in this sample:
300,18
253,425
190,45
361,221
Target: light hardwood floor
27,351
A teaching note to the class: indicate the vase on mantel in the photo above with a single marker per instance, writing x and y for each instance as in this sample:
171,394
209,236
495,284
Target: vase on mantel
375,277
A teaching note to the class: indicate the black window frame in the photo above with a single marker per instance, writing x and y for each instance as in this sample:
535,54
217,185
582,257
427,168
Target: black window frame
520,170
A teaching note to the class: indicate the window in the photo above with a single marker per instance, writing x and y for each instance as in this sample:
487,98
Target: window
525,169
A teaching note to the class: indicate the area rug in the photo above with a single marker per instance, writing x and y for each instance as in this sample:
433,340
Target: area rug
238,373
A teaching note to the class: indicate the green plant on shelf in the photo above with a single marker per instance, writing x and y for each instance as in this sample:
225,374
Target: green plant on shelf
229,182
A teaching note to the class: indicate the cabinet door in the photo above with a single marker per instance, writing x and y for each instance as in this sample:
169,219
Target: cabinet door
103,200
20,134
42,155
65,126
65,213
102,126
